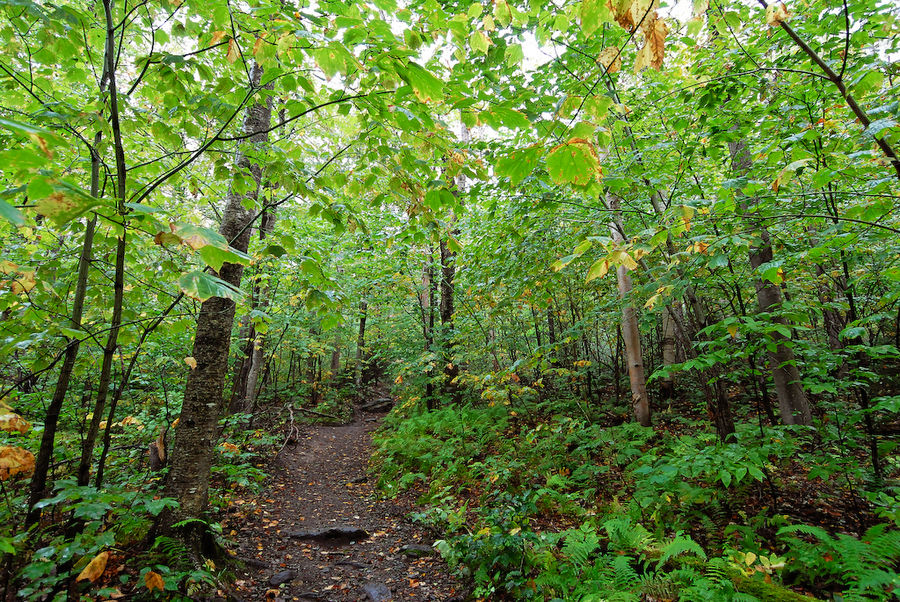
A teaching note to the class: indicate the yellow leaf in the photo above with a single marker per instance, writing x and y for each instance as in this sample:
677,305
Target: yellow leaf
597,270
15,460
233,51
483,532
217,37
10,421
190,361
611,59
7,267
175,423
776,14
642,59
750,558
230,447
94,568
515,530
154,581
732,330
257,45
398,380
24,283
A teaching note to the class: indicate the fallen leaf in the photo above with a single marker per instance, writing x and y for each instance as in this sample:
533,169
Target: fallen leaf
94,568
154,581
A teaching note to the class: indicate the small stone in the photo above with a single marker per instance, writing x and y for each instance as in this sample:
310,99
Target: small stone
282,577
416,550
377,592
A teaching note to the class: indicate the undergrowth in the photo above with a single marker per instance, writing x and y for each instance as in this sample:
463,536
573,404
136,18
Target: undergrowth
533,504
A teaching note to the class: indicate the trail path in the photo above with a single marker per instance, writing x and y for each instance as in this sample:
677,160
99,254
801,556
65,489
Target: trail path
317,484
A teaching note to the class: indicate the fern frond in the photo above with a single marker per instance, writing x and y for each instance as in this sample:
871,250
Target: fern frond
682,544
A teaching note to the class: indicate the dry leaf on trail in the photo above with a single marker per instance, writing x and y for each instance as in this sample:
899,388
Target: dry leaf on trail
15,460
154,581
94,568
190,361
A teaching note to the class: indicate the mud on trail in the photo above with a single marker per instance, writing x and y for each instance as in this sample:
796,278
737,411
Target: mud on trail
319,532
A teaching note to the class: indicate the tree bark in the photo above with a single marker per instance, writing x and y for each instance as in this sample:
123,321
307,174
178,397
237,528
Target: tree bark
197,431
451,369
793,404
251,388
631,335
360,344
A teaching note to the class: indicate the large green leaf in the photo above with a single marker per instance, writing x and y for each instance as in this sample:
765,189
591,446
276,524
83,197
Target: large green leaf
202,286
518,164
426,86
574,162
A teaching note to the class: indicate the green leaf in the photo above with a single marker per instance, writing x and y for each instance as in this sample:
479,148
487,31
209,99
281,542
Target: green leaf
479,42
514,55
202,286
518,164
504,117
574,162
214,257
594,13
426,86
11,214
67,203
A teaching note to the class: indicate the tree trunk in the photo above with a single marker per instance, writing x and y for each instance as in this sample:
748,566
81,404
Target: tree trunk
360,344
793,404
451,369
667,384
197,431
631,335
261,302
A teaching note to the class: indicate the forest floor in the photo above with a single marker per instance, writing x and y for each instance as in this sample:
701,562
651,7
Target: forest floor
297,540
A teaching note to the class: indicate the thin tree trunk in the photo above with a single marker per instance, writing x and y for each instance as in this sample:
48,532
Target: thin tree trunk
446,310
258,343
631,335
793,404
360,344
197,431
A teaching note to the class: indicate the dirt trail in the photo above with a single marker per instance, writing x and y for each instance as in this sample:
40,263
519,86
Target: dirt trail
320,483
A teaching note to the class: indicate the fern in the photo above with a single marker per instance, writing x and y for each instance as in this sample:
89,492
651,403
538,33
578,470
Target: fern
580,544
682,544
624,575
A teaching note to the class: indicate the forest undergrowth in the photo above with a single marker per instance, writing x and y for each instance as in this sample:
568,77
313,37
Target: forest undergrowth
551,500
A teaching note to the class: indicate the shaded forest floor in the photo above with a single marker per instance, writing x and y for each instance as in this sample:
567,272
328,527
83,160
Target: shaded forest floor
318,483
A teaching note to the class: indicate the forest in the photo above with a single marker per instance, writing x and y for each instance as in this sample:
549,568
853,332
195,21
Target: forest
584,300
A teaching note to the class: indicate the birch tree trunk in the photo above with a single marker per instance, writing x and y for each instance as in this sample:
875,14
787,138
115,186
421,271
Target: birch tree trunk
197,431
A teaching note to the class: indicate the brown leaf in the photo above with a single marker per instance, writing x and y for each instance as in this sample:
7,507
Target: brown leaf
776,14
233,51
15,460
190,361
154,581
611,59
657,43
10,421
217,37
94,568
